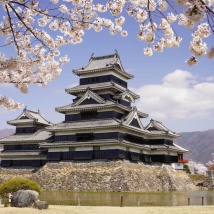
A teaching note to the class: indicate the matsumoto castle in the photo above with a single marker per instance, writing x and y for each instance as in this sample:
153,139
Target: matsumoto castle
101,123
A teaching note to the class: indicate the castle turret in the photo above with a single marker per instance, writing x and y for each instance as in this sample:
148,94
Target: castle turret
22,148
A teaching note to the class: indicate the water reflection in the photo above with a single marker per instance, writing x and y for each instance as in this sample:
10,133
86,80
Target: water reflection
176,198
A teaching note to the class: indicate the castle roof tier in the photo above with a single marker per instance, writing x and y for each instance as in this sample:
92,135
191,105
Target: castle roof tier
127,94
97,102
22,148
118,142
38,136
106,105
90,95
99,87
130,121
103,63
157,127
29,117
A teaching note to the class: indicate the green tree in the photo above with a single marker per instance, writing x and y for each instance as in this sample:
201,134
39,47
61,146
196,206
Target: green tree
186,169
16,184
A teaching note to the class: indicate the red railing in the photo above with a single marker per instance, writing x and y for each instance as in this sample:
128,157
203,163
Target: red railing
183,161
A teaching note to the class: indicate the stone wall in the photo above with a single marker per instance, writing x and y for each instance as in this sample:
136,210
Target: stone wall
209,179
105,176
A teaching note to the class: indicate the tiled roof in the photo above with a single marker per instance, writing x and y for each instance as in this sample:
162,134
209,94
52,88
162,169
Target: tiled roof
107,62
107,104
20,153
100,142
180,148
40,135
142,115
72,107
94,87
89,94
100,86
99,62
29,117
174,147
79,143
104,123
156,127
84,125
127,93
133,114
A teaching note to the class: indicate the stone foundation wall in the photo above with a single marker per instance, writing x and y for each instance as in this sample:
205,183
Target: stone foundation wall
104,176
209,179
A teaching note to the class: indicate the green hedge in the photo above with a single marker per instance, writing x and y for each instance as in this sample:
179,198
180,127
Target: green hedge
16,184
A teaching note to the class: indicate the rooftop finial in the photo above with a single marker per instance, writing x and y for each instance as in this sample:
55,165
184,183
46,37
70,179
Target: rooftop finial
38,111
116,52
25,108
91,56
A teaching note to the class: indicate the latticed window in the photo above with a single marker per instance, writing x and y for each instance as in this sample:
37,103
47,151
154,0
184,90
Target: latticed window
88,114
85,137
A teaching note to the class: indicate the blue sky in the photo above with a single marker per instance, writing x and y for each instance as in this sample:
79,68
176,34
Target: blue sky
180,96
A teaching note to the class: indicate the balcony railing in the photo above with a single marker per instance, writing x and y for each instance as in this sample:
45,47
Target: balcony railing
183,161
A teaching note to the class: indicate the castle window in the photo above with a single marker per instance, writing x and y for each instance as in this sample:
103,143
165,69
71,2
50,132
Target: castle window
84,137
96,147
88,114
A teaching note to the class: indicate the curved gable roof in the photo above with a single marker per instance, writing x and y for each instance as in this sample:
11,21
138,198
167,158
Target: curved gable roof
100,63
29,117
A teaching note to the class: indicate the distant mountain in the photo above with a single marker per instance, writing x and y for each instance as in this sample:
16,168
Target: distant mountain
6,132
200,143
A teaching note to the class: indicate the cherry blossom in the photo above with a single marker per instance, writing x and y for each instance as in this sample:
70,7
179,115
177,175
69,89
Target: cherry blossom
210,54
148,52
192,61
38,29
10,104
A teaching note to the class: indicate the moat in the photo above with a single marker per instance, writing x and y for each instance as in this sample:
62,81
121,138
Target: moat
167,198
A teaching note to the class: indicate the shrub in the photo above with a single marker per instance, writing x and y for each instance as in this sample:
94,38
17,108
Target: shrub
16,184
186,169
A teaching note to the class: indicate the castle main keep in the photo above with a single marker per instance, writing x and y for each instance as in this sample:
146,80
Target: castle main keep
100,123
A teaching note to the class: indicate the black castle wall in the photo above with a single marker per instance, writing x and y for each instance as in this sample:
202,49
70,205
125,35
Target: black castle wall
101,79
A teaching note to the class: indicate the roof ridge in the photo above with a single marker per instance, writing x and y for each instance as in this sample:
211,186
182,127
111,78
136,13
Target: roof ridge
36,112
95,58
39,113
152,120
103,57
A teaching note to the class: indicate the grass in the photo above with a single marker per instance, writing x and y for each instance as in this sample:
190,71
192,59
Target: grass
57,209
196,177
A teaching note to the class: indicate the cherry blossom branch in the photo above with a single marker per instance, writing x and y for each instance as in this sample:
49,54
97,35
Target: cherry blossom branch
28,28
11,26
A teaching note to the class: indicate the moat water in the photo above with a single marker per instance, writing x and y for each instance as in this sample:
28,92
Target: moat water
175,198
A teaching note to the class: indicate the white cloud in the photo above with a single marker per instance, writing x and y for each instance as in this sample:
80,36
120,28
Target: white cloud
178,79
179,96
210,78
